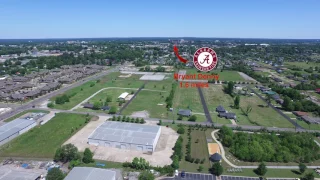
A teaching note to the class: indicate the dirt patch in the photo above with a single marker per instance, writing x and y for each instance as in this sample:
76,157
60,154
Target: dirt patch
95,118
140,114
129,97
125,76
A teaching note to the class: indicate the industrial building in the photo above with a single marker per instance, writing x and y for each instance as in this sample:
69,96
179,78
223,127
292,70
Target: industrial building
126,136
14,128
88,173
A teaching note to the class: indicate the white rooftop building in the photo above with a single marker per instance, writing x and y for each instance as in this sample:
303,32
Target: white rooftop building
123,95
126,136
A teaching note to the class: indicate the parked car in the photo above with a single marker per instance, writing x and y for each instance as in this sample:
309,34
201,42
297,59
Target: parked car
183,174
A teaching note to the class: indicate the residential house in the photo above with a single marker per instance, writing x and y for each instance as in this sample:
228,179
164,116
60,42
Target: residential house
300,113
317,90
88,105
227,115
184,112
220,109
310,120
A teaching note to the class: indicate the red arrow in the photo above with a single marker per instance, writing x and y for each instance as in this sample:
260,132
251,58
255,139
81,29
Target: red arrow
176,51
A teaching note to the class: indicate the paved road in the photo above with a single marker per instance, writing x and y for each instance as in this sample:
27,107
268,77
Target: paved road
276,109
29,105
204,106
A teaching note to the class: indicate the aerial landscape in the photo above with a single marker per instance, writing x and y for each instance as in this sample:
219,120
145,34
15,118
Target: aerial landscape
100,100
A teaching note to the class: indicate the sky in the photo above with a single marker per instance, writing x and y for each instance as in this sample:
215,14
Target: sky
285,19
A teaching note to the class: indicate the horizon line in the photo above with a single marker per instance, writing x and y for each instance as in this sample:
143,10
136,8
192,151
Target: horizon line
158,37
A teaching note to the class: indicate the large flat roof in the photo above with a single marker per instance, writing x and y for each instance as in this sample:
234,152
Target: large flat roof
126,133
13,127
18,174
88,173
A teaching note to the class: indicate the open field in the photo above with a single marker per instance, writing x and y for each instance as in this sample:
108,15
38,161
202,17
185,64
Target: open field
80,93
152,99
223,76
198,150
42,141
23,113
101,97
303,65
307,126
188,98
261,115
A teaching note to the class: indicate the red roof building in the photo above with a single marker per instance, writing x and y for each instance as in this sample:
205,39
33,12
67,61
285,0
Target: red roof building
300,113
318,90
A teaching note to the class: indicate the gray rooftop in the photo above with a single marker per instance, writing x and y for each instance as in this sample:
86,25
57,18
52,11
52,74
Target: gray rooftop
126,133
88,173
13,127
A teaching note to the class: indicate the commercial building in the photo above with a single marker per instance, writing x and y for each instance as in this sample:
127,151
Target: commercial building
126,136
14,128
88,173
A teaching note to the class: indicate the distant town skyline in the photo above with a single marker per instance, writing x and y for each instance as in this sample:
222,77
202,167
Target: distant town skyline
58,19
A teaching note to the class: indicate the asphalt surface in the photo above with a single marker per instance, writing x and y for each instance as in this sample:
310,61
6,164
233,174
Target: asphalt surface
276,109
29,105
192,176
205,107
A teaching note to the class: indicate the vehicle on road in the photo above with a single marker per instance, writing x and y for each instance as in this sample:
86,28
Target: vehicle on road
183,174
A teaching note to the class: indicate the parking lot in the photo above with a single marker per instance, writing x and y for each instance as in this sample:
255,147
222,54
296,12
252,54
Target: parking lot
160,157
238,178
193,176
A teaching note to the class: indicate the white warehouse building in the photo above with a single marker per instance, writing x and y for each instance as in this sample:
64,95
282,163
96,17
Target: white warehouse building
126,136
15,128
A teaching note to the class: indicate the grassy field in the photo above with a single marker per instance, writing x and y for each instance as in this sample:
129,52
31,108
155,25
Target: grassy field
152,99
198,150
303,65
42,141
223,76
271,173
84,91
114,93
264,116
23,113
188,98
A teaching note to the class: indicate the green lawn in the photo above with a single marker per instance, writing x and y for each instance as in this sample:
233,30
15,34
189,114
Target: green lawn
303,65
84,91
198,150
42,141
223,76
23,113
152,99
264,116
188,98
114,93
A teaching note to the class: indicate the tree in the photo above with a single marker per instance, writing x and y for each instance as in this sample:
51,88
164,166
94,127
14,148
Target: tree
200,168
146,175
66,153
237,102
302,168
180,117
181,130
142,121
50,105
109,99
217,169
262,169
87,156
97,105
55,174
113,110
160,122
309,176
229,89
192,118
287,104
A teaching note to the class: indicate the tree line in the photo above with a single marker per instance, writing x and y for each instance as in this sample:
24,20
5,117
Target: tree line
286,147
